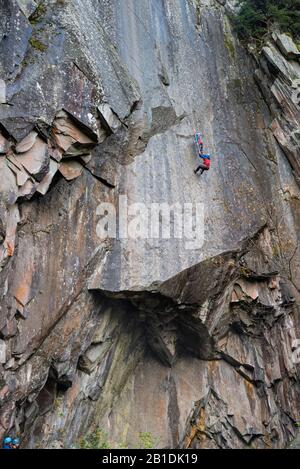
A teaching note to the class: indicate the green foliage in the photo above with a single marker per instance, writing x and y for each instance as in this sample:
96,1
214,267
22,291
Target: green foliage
38,14
146,441
98,439
95,440
36,44
122,445
259,17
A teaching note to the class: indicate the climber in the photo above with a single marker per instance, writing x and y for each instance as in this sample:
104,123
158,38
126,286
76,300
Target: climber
7,443
16,443
205,165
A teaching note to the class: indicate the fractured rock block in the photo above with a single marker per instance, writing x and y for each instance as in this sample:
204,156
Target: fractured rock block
69,137
243,289
4,144
70,169
22,178
11,229
28,189
93,356
9,188
44,185
85,159
279,62
94,394
36,159
23,290
103,167
64,125
21,311
10,364
212,424
27,142
54,153
289,147
287,46
10,329
108,119
21,175
64,141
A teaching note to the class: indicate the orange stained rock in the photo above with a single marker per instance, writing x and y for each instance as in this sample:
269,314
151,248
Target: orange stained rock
22,289
190,437
201,422
197,430
10,248
70,169
249,390
211,367
161,408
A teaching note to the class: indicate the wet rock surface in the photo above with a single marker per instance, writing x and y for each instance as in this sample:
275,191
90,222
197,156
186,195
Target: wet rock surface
195,344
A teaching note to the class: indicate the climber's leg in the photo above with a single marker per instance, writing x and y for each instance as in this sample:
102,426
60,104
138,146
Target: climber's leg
201,166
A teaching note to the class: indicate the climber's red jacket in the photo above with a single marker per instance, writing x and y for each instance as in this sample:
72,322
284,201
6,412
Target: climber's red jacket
206,161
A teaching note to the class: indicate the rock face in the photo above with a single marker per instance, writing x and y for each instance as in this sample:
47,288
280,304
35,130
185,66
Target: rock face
195,339
279,79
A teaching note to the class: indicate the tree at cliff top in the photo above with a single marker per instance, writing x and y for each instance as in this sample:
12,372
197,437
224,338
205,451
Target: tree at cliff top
258,17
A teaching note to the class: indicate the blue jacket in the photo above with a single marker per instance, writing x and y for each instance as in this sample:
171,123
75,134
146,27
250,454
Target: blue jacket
204,156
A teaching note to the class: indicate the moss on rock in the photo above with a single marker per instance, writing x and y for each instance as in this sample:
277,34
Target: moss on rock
38,45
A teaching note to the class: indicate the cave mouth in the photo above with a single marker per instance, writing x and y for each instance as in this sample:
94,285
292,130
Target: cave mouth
171,329
52,389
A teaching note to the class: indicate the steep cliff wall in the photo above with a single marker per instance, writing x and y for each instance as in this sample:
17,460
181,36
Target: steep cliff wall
194,346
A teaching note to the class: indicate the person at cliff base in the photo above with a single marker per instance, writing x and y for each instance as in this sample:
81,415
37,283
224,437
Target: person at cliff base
7,443
16,443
